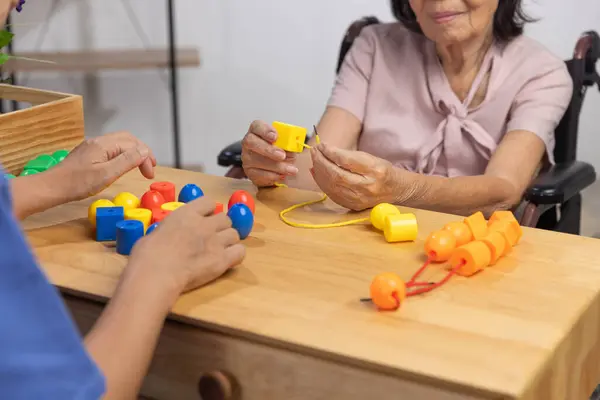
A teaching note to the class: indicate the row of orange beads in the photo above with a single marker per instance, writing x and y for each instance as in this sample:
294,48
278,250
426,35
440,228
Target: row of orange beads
469,245
474,243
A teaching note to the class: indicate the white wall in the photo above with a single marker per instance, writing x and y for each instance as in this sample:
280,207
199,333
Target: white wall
266,59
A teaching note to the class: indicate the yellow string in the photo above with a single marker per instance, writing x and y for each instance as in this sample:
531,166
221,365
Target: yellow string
314,226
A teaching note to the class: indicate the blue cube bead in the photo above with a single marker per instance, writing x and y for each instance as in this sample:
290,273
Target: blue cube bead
106,222
128,233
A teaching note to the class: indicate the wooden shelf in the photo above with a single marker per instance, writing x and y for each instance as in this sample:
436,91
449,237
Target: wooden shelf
91,61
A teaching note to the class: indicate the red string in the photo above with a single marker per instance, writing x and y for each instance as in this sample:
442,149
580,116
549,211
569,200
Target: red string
413,280
424,286
438,284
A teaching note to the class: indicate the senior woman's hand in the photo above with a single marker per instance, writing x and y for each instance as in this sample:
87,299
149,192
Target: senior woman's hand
354,179
265,164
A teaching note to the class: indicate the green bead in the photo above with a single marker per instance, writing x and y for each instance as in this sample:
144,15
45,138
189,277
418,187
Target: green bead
41,163
9,176
60,155
28,172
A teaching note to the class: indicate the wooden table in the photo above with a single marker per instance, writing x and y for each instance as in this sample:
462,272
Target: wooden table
288,323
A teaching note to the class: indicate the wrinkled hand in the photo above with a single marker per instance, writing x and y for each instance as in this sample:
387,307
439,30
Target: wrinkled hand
190,248
97,163
265,164
353,179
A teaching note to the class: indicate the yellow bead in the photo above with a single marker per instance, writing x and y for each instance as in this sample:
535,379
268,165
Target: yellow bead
289,137
380,211
94,206
127,200
400,228
172,206
140,214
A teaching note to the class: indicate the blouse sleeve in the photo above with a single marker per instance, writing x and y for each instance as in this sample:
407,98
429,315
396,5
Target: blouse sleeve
541,104
352,83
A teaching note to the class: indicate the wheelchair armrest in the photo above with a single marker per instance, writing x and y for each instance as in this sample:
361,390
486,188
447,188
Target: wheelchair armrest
560,183
231,156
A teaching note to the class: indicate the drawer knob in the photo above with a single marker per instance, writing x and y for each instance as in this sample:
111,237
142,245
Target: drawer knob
215,385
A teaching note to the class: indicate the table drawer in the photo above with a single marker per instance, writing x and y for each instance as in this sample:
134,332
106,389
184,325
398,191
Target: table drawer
190,360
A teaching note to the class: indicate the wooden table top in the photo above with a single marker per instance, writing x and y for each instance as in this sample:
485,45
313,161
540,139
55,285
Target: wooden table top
492,334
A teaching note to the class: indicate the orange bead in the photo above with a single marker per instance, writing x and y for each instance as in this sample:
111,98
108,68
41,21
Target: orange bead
167,189
440,245
510,217
477,224
219,208
501,215
461,232
497,244
510,229
473,257
241,196
387,291
158,215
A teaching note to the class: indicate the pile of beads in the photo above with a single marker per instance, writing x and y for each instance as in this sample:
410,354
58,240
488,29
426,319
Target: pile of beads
42,163
127,218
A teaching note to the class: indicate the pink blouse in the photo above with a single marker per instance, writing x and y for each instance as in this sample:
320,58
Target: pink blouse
393,82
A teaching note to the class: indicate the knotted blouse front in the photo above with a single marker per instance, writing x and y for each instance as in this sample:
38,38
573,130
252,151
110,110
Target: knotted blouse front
393,82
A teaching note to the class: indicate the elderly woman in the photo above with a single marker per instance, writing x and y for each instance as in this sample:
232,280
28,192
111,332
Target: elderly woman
450,109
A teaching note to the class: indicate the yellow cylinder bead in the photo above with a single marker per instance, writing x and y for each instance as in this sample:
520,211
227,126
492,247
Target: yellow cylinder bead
140,214
400,228
380,211
92,209
126,200
172,206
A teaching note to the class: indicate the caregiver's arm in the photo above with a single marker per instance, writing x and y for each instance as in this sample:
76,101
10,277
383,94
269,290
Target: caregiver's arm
509,173
36,193
189,249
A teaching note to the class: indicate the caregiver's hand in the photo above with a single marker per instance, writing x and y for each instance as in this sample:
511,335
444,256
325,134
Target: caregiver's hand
354,179
265,164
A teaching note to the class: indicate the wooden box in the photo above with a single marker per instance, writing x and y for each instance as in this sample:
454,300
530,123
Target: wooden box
53,122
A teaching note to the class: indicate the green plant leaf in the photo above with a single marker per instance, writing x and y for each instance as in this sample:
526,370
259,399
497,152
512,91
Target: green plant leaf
3,58
5,38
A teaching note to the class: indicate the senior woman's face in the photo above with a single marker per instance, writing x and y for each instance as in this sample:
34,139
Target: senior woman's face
454,21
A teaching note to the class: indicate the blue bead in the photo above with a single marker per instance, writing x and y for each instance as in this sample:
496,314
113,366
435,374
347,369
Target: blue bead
106,222
151,228
128,233
189,192
242,219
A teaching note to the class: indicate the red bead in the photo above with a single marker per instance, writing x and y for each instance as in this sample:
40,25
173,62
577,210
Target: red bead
158,215
152,199
241,196
167,189
218,208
